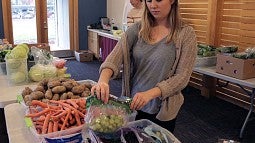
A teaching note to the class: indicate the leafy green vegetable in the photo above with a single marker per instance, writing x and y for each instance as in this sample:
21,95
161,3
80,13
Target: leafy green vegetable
18,77
206,50
92,100
36,73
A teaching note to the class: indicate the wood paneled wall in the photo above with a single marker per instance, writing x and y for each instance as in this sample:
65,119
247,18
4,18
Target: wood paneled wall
219,23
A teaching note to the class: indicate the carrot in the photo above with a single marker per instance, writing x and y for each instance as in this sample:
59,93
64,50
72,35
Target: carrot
41,118
57,112
39,113
66,119
39,103
72,121
77,118
63,104
80,113
72,103
59,115
82,103
39,122
50,127
55,126
42,104
45,124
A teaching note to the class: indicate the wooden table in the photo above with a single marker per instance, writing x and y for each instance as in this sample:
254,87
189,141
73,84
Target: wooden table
211,71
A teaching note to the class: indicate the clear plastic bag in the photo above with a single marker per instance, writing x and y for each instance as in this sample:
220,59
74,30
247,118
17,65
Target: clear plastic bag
41,56
105,120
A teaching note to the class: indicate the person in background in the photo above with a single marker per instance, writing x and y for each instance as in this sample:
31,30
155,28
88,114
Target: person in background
135,14
158,55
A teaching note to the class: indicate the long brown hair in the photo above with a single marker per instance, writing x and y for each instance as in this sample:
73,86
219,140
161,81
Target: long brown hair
148,21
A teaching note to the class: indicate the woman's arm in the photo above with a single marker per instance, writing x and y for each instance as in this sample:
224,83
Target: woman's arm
142,98
102,87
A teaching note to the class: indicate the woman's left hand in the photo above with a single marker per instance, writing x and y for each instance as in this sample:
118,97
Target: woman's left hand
140,100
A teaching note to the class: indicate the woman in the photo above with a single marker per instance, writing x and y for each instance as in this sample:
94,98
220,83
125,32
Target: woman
135,14
158,56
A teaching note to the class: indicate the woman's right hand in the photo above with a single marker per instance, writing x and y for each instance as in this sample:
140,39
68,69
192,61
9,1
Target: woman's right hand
102,90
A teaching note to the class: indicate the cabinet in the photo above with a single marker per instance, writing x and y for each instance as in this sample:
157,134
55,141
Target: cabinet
93,43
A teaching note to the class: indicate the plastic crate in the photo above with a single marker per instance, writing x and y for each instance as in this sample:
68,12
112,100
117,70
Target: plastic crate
142,124
17,71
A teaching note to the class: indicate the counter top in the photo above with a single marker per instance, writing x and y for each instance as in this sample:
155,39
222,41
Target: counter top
105,33
9,92
17,130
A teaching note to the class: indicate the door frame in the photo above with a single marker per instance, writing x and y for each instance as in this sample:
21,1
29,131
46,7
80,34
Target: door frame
41,21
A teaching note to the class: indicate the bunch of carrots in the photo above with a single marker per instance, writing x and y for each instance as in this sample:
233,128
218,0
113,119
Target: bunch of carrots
57,115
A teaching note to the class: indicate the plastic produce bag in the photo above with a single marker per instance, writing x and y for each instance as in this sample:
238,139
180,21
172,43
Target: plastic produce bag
105,120
41,56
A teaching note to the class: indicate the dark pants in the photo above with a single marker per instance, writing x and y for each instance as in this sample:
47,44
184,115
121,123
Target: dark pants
169,125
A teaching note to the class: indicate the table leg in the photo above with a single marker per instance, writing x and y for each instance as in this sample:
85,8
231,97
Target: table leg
208,86
249,113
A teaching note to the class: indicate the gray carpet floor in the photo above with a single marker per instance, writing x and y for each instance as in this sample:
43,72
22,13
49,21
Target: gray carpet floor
201,120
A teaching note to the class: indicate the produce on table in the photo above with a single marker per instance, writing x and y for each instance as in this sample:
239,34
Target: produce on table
19,52
107,123
16,64
36,73
59,63
248,54
206,50
18,77
93,101
105,119
56,116
227,49
39,71
56,89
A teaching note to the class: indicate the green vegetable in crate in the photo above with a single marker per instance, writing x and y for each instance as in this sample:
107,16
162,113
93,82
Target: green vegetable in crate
107,123
13,63
206,50
18,77
227,49
17,52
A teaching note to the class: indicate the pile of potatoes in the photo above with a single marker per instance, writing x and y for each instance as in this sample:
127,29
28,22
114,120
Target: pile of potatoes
56,89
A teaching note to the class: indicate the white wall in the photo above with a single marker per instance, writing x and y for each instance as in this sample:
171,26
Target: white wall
116,8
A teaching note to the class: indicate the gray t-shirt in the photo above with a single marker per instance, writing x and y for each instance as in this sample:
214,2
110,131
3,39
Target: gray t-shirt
152,63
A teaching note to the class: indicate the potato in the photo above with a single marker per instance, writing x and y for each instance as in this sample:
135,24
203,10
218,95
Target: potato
63,96
54,83
68,84
37,95
69,95
48,94
78,89
40,88
58,89
26,91
55,97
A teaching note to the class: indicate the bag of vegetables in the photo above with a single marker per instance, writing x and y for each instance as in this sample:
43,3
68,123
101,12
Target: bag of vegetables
105,120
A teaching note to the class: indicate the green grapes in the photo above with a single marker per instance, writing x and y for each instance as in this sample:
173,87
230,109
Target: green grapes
107,123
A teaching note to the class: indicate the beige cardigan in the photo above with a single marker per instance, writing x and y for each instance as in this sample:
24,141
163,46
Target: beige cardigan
171,96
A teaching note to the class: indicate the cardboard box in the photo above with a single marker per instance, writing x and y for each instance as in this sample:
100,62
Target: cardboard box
84,56
234,67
